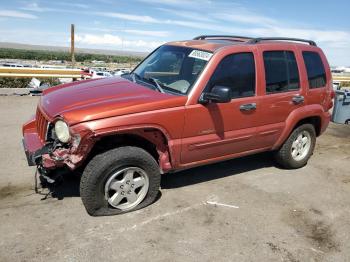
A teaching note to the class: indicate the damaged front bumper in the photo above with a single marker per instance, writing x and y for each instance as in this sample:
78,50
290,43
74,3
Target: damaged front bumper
34,158
51,155
47,155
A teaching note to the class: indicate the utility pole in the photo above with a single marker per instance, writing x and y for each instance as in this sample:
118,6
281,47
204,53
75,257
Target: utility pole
72,44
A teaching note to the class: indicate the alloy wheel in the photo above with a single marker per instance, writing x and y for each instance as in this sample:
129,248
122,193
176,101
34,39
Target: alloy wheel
126,188
301,146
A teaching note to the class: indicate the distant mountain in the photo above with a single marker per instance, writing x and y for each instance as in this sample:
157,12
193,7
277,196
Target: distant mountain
66,49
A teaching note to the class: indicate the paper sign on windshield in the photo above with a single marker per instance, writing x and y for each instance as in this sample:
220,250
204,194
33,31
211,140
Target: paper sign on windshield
200,55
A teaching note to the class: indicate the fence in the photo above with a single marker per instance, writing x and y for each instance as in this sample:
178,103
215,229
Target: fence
40,72
77,73
341,78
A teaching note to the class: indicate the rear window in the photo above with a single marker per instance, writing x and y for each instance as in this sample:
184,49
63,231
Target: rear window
281,71
315,69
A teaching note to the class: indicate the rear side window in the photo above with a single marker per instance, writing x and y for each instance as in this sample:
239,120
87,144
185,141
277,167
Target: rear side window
315,69
236,71
281,71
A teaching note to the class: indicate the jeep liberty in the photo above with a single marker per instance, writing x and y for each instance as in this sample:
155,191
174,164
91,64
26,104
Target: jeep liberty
188,103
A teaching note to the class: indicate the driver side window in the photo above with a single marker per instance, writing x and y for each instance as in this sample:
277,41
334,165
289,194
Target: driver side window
236,71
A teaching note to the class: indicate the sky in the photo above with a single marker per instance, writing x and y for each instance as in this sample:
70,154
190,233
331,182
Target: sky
142,25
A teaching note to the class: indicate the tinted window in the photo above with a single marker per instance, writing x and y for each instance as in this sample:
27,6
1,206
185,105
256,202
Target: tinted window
281,71
197,66
236,71
315,69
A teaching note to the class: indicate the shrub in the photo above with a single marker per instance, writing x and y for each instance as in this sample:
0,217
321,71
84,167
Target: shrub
23,82
11,53
344,84
14,82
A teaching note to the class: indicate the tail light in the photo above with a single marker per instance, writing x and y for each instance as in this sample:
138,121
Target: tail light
330,104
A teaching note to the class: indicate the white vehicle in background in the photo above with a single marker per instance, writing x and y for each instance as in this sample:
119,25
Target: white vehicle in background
120,72
336,85
101,74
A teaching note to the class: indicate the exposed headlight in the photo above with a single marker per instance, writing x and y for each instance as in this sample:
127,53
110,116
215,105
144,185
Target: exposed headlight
62,131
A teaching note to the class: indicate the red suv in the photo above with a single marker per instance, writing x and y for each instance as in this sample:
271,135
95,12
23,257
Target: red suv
188,103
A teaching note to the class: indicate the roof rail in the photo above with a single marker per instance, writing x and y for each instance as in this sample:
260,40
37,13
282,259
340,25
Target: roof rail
259,39
202,37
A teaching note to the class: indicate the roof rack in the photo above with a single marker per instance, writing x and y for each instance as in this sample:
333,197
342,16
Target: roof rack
251,40
259,39
203,37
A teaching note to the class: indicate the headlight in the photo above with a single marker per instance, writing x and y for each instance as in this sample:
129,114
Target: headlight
62,131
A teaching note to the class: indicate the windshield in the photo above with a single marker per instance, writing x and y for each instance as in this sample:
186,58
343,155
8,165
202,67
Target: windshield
173,68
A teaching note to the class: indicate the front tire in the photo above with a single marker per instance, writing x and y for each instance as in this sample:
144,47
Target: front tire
298,148
118,181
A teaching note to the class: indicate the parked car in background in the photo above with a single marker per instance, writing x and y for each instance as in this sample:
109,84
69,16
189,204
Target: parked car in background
336,85
189,103
101,74
120,72
12,65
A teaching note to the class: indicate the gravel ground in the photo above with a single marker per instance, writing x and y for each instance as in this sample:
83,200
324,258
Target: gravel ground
240,210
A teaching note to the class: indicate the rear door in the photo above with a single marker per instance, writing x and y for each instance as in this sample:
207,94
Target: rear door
281,93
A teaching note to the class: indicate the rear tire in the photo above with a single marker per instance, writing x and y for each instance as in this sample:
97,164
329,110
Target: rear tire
298,148
120,180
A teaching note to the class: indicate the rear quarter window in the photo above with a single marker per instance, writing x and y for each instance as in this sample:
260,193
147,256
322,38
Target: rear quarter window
316,73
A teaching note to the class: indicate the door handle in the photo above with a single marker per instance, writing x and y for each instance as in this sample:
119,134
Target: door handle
248,107
298,99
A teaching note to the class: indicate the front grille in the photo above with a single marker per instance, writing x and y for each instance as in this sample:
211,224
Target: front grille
41,125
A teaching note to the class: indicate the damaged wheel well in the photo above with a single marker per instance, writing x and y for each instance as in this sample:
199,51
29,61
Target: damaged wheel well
151,140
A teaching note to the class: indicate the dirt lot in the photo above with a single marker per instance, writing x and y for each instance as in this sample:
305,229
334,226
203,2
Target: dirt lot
262,213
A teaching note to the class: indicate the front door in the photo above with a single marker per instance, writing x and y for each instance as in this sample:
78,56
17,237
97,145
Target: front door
218,130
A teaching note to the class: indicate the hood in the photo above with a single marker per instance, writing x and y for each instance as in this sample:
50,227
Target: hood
100,98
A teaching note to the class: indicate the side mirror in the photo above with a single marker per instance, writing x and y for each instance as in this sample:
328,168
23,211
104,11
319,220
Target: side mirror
218,94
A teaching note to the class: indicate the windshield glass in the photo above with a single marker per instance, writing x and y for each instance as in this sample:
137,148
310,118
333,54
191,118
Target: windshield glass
174,68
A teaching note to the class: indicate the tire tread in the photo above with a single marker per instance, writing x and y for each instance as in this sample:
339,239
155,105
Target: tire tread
90,182
283,156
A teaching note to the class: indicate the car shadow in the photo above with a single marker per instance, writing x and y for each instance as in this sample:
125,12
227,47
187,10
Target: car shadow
69,186
215,171
66,186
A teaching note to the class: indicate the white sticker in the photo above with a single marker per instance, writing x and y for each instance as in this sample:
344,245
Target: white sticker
200,55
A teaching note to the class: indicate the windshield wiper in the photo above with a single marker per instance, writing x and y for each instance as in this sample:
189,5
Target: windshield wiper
134,76
157,84
154,81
